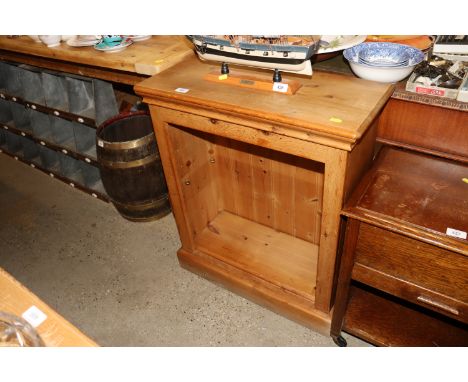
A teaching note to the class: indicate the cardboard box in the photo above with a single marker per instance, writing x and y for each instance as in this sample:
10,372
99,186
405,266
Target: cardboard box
463,91
411,86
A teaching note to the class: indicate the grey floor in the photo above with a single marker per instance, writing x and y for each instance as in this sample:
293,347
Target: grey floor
120,282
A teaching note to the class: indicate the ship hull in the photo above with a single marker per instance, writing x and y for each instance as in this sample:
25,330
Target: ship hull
290,58
305,67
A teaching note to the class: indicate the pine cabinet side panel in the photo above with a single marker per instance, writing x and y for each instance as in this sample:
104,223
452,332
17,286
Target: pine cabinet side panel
335,169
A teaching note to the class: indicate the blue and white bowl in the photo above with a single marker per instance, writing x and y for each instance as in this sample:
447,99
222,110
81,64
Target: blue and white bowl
389,53
383,63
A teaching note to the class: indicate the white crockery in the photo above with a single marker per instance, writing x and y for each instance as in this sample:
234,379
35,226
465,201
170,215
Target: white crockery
383,73
384,57
68,37
80,41
34,37
334,43
88,37
382,63
51,40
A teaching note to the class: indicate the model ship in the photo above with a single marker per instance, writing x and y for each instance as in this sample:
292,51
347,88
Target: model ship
285,53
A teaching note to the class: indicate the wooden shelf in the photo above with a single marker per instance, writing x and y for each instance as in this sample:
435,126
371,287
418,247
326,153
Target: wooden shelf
383,320
273,256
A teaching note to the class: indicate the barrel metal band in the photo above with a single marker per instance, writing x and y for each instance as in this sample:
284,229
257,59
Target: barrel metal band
157,216
126,145
143,206
134,163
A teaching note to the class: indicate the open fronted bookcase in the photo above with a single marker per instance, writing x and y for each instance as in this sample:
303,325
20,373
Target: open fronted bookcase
257,180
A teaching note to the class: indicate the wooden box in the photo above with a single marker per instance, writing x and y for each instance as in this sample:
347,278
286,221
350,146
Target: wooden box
257,179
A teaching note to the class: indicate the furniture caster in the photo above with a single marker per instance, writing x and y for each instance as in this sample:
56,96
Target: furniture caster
340,341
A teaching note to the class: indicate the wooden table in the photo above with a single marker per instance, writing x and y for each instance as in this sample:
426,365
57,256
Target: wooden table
101,100
55,330
257,179
138,61
410,278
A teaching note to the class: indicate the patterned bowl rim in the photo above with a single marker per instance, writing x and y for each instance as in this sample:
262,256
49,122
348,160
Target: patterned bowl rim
351,54
365,54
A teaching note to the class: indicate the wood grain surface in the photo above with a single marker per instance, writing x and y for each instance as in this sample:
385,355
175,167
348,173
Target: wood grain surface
281,259
265,293
336,106
257,180
55,330
432,129
386,321
281,191
416,271
145,57
409,260
416,194
396,245
275,189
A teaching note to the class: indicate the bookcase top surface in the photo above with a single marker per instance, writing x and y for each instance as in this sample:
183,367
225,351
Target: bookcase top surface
328,104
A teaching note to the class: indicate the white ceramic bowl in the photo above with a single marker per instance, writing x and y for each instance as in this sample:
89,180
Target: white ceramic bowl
51,40
386,74
381,74
34,37
68,37
384,56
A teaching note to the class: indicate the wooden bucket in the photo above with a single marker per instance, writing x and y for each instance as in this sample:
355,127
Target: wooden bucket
130,167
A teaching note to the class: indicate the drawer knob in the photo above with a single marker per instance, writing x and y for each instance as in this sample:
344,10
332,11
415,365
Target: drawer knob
437,304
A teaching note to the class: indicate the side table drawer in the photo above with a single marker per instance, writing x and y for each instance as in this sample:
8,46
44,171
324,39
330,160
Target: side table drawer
413,270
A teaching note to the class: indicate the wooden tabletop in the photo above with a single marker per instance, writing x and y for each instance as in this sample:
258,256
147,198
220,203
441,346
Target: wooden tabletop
54,330
418,194
327,104
145,57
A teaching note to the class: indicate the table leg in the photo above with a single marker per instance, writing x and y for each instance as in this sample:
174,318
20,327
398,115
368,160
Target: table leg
344,279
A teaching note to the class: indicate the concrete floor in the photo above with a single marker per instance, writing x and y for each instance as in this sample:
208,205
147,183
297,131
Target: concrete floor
120,282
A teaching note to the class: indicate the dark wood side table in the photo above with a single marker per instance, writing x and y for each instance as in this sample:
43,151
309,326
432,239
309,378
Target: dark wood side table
403,281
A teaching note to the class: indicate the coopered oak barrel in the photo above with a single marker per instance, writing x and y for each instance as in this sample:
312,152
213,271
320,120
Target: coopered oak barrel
130,167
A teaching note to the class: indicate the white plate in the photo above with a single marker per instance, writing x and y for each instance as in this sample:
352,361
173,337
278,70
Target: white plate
138,37
452,56
79,43
113,49
340,42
